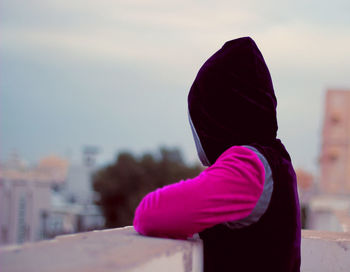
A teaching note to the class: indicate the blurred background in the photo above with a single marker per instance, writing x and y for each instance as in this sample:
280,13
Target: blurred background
93,104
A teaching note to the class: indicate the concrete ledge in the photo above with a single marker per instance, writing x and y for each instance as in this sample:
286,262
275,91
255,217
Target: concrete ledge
107,250
124,250
323,251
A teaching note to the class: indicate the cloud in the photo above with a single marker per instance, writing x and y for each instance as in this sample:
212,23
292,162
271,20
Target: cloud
161,32
124,29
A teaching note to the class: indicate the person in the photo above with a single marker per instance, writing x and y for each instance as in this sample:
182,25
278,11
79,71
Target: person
244,205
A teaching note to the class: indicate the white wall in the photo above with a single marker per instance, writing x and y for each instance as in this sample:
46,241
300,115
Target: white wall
78,184
124,250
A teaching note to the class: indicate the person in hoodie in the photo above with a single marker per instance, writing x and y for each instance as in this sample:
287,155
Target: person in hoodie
244,205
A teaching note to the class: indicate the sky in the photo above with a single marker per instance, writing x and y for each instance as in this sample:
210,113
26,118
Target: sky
116,74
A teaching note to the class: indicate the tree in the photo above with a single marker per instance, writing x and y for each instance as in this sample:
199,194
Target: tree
123,184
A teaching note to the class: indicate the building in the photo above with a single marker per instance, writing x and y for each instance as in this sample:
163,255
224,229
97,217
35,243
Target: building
329,209
335,150
24,199
66,218
35,202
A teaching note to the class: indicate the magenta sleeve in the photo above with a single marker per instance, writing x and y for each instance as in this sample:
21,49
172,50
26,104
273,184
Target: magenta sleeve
226,191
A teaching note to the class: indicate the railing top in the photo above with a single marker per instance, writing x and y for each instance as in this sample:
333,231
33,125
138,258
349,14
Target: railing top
106,250
124,250
326,235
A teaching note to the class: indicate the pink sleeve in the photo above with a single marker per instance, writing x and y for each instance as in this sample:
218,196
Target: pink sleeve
228,190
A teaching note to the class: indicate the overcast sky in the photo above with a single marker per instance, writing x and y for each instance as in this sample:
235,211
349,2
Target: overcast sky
116,73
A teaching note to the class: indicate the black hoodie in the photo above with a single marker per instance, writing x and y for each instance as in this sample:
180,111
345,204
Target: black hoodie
232,102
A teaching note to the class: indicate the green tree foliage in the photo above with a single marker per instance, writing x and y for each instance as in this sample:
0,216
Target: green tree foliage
123,184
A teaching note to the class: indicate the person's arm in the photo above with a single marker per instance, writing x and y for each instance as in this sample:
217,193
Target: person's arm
226,191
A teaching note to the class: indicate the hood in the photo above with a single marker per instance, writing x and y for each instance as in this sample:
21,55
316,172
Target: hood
232,101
